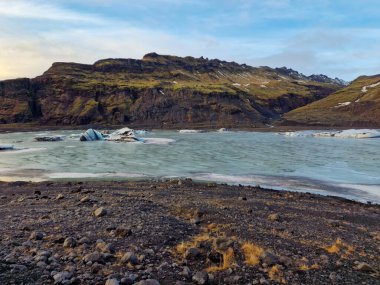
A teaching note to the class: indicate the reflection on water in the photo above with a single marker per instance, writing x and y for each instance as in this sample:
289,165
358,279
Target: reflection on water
346,167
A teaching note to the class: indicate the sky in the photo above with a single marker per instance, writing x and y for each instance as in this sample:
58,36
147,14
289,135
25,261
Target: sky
339,38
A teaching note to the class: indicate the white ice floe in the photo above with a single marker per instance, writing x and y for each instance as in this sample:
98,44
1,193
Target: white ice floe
342,104
50,138
222,130
365,88
158,141
354,134
141,132
125,135
7,147
296,134
23,150
190,131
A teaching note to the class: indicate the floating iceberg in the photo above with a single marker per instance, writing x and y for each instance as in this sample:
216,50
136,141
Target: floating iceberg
222,130
92,135
355,134
49,138
141,132
190,131
296,134
6,147
125,135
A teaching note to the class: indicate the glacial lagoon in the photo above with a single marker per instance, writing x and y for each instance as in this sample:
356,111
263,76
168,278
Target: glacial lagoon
345,167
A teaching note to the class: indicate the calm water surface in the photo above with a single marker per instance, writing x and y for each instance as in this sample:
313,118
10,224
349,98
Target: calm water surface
333,166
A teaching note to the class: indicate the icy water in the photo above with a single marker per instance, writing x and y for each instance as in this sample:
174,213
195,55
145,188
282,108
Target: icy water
330,166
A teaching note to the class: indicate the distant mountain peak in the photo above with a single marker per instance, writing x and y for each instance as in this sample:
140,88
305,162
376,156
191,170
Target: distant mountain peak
314,77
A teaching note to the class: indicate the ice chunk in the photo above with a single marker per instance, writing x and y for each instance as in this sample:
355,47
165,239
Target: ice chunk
355,134
6,147
49,138
190,131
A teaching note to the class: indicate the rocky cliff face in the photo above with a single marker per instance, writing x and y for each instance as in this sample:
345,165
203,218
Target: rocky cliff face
159,91
357,105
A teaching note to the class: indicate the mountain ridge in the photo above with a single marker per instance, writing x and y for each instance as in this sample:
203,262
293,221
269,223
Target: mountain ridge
158,91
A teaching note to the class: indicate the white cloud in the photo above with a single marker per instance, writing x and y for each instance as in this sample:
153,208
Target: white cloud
28,48
42,11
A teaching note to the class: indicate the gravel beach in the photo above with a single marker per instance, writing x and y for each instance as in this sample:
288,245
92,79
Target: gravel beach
182,232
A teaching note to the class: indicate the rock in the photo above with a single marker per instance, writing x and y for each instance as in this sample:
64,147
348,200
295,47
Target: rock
58,239
365,267
232,280
186,272
85,199
77,190
84,240
18,268
149,251
112,282
27,243
70,242
37,192
274,217
44,253
41,264
192,253
122,232
284,260
62,276
41,258
242,198
93,257
126,281
201,277
148,282
100,212
269,258
196,221
323,259
36,235
130,257
59,197
334,277
105,247
215,257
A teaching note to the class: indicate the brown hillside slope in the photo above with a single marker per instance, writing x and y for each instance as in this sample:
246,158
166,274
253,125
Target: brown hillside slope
357,105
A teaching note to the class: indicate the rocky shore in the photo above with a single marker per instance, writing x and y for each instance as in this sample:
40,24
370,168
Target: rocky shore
181,232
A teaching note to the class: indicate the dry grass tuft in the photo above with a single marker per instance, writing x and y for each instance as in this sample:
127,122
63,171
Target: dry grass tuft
229,261
276,274
252,253
340,247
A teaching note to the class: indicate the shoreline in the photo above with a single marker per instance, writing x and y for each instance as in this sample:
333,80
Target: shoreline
33,127
153,180
182,232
